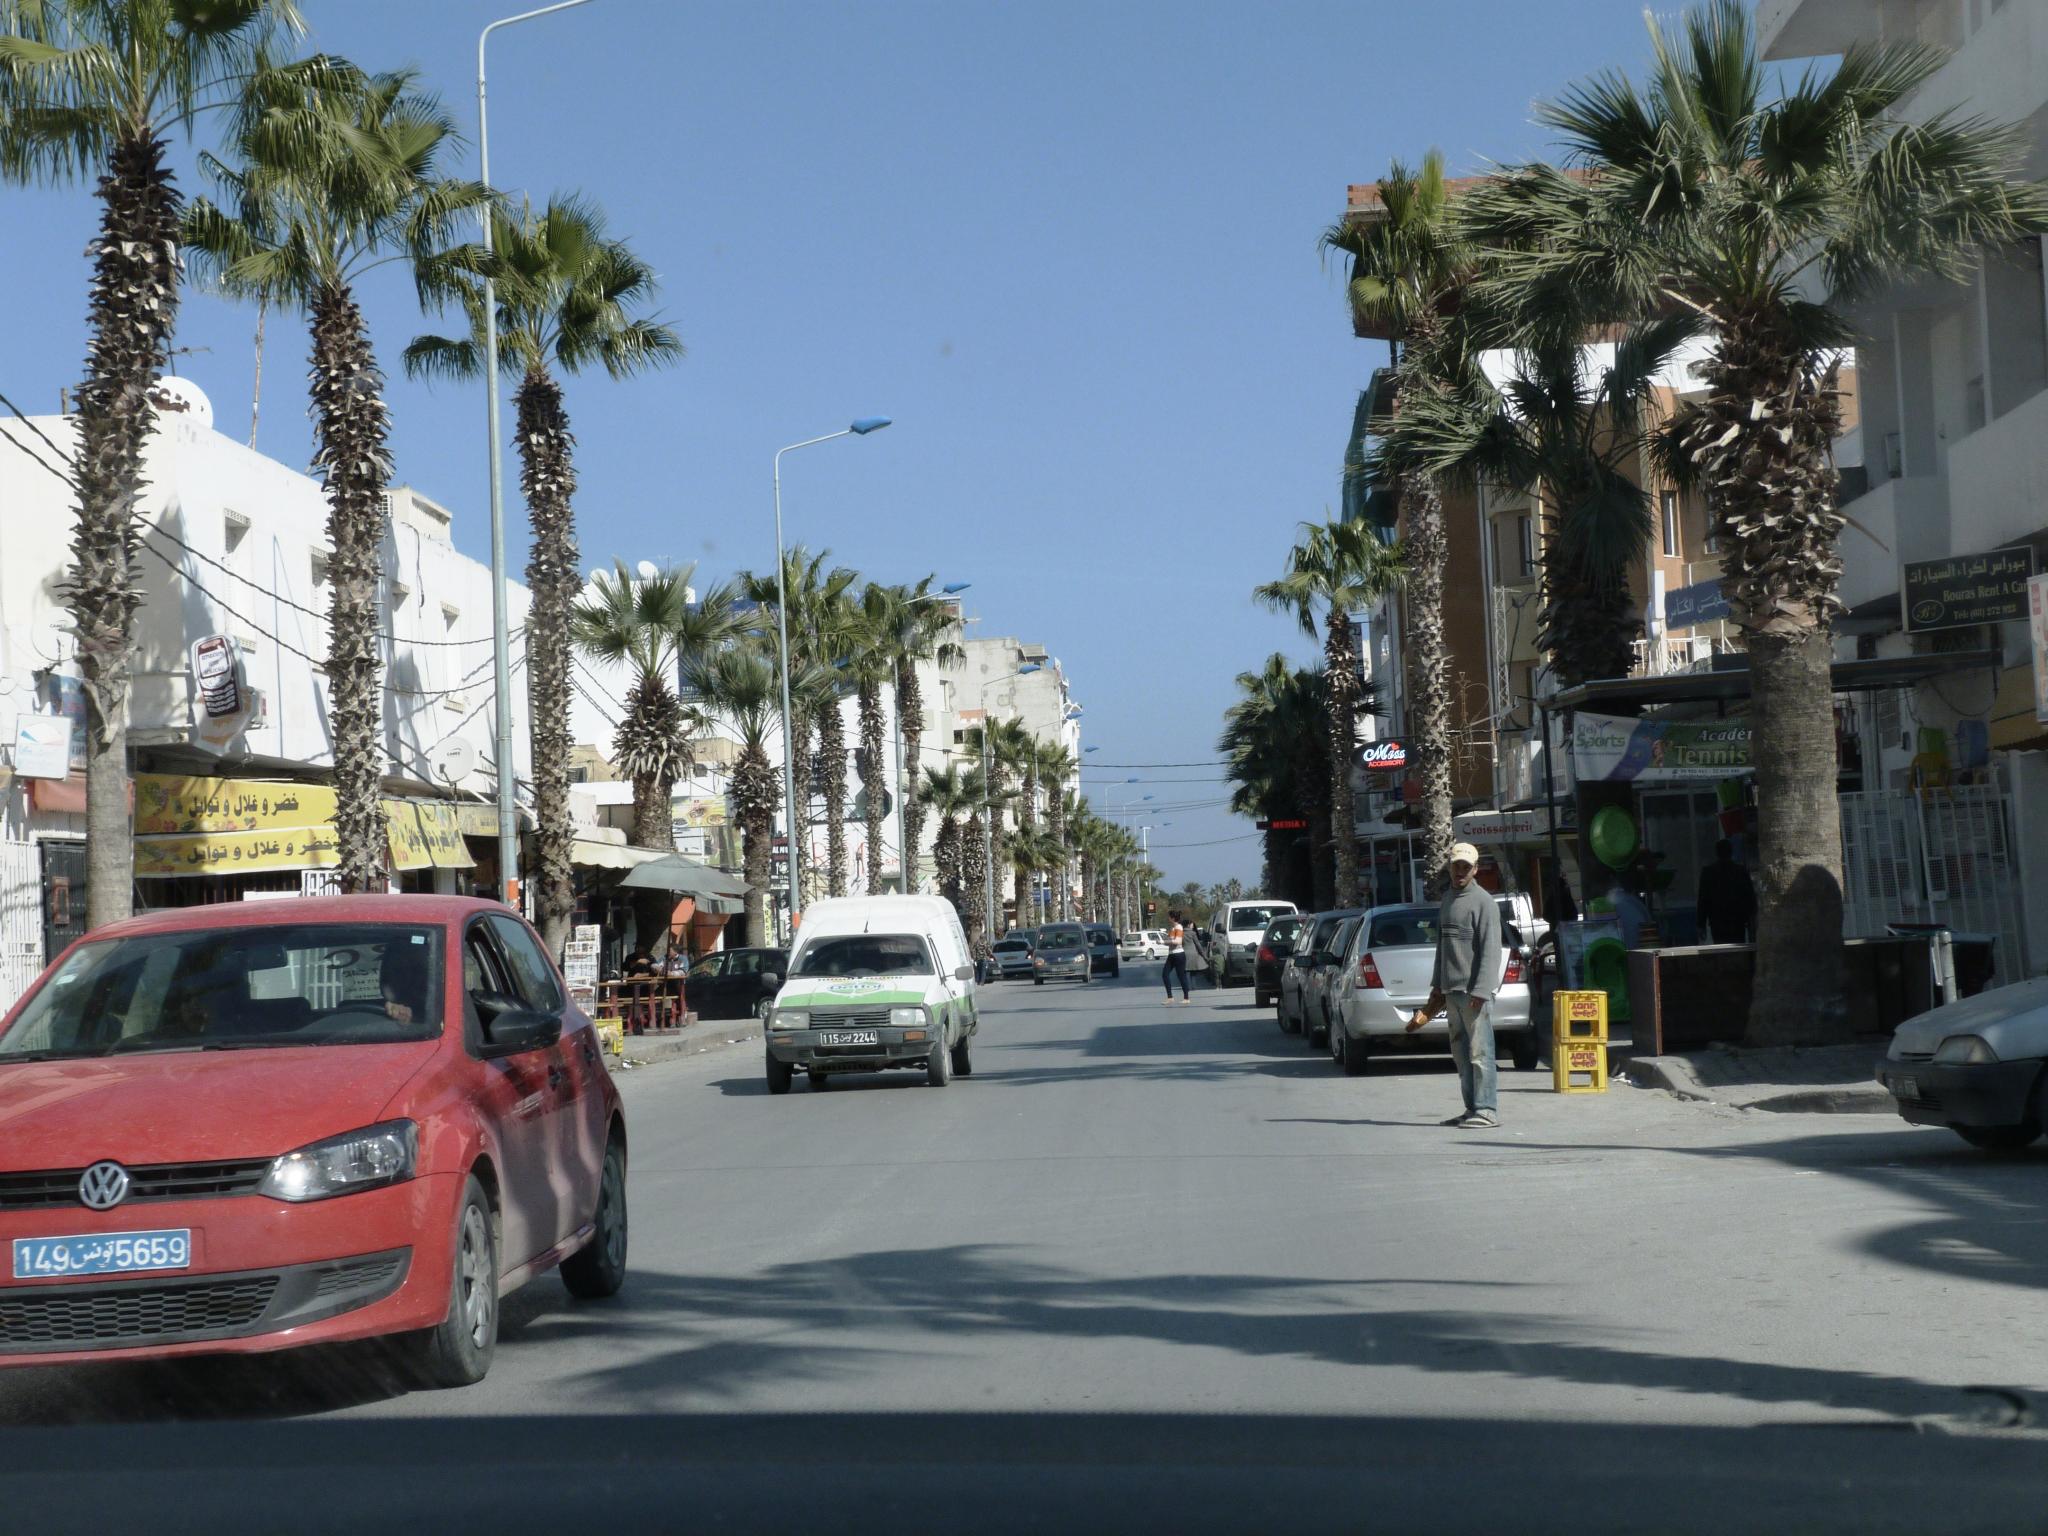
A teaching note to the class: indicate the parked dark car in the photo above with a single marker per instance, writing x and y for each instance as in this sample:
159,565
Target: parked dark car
1275,945
727,983
1300,1000
1102,960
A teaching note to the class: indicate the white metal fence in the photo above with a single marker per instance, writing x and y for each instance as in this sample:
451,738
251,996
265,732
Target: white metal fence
1945,856
21,919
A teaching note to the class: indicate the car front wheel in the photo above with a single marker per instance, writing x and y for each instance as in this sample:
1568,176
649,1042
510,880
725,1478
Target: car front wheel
1523,1048
938,1069
780,1075
458,1352
2000,1138
598,1269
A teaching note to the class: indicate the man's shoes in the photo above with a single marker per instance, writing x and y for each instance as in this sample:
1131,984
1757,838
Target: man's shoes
1455,1120
1478,1120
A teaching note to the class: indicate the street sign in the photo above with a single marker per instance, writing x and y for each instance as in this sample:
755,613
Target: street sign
1385,756
1287,824
1700,603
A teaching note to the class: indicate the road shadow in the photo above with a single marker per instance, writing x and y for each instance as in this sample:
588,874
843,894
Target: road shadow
292,1384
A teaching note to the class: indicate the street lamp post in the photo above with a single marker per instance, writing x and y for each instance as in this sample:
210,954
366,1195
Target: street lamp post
859,428
501,638
906,856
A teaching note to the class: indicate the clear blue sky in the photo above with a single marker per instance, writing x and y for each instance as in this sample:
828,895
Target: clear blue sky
1070,248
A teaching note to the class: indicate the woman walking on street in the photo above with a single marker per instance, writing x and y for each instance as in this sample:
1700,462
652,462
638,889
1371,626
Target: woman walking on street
1176,957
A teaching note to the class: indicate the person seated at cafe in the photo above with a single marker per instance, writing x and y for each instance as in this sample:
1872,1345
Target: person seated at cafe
640,966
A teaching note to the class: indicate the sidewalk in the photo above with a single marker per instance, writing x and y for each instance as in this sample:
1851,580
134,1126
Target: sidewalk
1829,1079
696,1036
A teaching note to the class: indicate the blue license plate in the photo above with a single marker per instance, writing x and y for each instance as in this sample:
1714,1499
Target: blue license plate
101,1253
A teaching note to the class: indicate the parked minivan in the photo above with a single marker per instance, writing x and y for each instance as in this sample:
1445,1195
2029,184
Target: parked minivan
874,983
1234,934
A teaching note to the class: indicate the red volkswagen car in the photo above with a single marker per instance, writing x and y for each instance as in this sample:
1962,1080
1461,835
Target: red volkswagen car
241,1128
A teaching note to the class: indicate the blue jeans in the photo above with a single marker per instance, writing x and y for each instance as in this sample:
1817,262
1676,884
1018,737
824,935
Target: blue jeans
1472,1049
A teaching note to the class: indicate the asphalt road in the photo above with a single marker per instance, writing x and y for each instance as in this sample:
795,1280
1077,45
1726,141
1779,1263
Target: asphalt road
1134,1207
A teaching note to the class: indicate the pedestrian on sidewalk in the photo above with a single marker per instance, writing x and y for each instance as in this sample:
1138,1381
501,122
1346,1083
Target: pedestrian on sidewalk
1176,956
1727,904
1469,964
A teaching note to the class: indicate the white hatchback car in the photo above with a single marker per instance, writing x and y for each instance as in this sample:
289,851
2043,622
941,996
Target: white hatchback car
1148,945
1384,978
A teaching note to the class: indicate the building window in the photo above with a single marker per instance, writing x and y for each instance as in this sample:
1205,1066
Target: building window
1525,543
1668,504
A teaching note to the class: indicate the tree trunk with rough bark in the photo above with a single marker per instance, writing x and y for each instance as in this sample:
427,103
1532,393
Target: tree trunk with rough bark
547,475
350,427
133,309
832,769
910,720
1429,677
755,794
873,777
1340,681
1027,821
973,883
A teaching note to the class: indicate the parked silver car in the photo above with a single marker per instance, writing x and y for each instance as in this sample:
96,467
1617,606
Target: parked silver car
1310,947
1318,981
1978,1067
1384,978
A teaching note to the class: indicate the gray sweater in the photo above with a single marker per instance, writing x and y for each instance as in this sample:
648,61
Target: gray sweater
1469,957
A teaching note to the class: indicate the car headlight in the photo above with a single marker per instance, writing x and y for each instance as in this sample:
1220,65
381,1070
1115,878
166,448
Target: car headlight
1038,959
907,1018
341,1165
787,1018
1970,1050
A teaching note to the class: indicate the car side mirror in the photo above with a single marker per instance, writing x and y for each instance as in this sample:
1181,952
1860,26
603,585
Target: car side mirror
515,1030
963,973
771,978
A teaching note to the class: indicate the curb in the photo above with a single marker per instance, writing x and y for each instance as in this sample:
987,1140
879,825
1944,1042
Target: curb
1675,1077
1828,1101
1656,1072
711,1035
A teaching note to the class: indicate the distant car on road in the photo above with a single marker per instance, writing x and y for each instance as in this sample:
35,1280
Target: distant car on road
1062,954
1144,945
1012,955
1233,936
1275,945
243,1128
1102,956
1384,977
731,983
1978,1067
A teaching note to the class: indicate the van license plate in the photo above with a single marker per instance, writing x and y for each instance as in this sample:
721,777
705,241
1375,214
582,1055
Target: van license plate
850,1037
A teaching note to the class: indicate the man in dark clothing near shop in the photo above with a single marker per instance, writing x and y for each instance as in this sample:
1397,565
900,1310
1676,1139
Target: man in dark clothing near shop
1469,964
1727,905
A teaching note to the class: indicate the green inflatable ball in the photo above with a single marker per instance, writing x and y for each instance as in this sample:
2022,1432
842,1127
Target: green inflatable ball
1614,837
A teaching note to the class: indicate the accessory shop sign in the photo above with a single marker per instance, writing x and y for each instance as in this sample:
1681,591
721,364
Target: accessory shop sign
1615,749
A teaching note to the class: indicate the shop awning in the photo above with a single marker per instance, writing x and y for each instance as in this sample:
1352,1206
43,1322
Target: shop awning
1612,694
589,853
684,875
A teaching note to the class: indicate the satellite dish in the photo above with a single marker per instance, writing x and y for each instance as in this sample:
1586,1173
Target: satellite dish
648,570
453,759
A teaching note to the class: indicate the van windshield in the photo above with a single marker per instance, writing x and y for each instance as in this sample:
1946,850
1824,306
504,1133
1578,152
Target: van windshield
1253,917
866,954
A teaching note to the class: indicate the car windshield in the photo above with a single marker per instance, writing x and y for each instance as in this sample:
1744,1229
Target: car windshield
1061,937
1253,917
1283,930
1411,926
234,989
865,954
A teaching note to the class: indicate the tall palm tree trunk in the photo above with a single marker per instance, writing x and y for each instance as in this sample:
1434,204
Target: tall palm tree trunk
1027,821
802,877
548,477
1056,819
755,792
1340,652
351,424
1764,446
946,856
873,780
832,767
1429,681
134,306
910,722
973,883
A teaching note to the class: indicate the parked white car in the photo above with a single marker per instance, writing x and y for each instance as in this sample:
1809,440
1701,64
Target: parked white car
1978,1066
1384,978
1148,945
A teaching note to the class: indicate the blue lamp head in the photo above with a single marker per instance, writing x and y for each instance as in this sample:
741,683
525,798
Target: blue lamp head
1146,797
868,424
1134,779
1028,668
952,587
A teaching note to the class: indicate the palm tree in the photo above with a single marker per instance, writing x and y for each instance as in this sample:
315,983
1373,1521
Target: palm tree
1026,763
1056,767
1333,569
323,184
569,297
96,88
1276,752
739,684
1032,853
879,619
923,634
1406,268
1698,194
950,793
1004,749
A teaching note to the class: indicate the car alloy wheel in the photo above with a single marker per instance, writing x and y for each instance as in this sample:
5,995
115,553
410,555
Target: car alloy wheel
457,1352
476,1288
598,1269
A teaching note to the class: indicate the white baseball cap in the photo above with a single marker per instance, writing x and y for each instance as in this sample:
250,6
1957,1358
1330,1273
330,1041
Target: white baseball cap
1464,853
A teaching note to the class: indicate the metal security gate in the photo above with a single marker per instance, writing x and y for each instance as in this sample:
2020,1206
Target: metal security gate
21,919
1944,856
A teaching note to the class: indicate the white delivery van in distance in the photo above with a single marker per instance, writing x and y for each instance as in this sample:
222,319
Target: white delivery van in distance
874,982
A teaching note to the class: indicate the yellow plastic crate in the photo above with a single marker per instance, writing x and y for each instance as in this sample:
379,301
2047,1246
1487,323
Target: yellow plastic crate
1575,1059
1578,1016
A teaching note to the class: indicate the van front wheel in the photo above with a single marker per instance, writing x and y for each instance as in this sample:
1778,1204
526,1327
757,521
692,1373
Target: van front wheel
938,1069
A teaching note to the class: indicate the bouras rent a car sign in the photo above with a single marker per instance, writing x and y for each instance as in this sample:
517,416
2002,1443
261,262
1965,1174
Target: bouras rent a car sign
1967,589
1615,749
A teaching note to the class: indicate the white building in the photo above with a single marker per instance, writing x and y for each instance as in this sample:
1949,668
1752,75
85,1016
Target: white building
234,544
1954,440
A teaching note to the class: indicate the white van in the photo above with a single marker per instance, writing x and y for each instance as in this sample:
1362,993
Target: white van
874,982
1232,940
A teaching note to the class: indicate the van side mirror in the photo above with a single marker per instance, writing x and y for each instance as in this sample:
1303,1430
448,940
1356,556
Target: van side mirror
963,973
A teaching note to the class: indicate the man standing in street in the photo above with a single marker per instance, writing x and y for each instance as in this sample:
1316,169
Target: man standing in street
1469,964
1727,898
1176,956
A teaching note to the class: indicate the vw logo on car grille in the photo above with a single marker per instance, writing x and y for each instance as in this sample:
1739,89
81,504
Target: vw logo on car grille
103,1186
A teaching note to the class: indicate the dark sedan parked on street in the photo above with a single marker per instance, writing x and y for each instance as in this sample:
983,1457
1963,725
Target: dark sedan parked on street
727,984
1275,945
